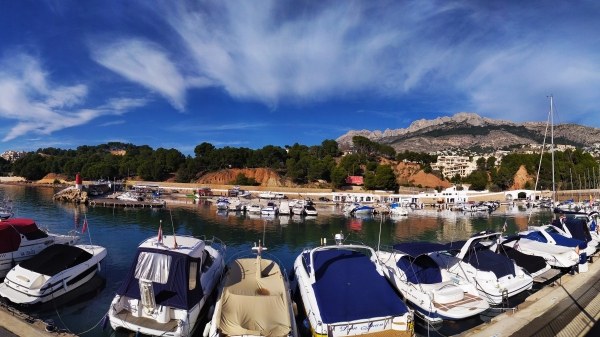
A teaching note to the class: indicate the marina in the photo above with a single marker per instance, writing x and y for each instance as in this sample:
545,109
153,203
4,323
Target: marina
121,229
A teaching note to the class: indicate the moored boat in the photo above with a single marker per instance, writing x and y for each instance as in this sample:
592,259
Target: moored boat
434,292
350,277
496,277
51,273
21,239
254,300
167,285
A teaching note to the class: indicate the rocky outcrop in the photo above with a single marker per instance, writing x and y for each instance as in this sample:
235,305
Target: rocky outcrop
469,130
71,194
263,176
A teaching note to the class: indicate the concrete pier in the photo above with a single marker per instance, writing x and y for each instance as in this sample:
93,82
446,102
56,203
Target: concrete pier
15,323
569,308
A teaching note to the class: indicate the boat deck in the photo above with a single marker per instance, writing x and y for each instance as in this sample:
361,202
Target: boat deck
467,299
125,316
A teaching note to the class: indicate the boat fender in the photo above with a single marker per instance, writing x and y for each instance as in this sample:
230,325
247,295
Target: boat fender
206,329
64,284
295,308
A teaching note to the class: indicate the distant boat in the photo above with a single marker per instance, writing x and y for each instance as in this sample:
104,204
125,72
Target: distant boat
51,273
270,209
167,286
284,208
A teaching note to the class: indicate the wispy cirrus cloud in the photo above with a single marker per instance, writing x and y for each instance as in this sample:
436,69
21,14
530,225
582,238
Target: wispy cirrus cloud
146,63
497,59
40,106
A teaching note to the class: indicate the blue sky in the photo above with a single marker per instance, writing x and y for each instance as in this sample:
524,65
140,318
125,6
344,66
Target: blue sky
174,74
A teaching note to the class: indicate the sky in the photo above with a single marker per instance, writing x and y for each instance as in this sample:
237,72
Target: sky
175,74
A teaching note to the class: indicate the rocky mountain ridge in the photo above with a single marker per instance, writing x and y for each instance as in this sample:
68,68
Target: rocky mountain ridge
468,130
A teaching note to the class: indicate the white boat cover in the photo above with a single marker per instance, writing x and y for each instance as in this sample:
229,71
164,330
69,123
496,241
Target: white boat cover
252,305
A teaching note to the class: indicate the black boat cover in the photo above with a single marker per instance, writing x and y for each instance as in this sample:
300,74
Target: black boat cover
56,258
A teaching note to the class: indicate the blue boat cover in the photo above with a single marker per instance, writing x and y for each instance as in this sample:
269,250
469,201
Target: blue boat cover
486,260
175,293
422,269
417,248
559,239
579,229
349,288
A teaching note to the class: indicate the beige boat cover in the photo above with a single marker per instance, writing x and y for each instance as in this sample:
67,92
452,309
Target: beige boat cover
254,305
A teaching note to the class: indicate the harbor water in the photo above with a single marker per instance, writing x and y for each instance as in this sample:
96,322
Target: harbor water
120,230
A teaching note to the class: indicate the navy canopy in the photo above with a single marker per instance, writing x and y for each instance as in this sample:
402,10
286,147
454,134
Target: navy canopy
486,260
559,239
174,292
579,229
422,269
348,287
415,249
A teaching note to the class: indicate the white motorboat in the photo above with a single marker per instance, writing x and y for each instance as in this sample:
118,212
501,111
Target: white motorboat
222,204
310,210
345,292
285,208
254,300
235,205
496,277
397,210
435,293
131,196
21,239
558,250
270,209
167,286
51,273
271,195
254,208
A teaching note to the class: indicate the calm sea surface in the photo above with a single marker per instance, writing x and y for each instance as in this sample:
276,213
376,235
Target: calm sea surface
120,230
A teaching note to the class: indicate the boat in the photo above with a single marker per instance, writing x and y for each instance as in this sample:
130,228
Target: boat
358,208
298,206
432,291
270,195
168,285
130,196
496,277
397,210
270,209
254,208
557,249
236,205
21,239
254,300
310,210
222,204
285,208
535,266
53,272
349,276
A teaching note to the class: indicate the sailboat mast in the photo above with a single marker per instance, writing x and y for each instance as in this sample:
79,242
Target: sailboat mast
552,147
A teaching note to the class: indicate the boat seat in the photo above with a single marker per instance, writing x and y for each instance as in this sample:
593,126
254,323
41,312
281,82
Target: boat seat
445,292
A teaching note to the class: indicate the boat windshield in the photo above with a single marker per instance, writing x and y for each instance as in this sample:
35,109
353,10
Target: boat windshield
153,267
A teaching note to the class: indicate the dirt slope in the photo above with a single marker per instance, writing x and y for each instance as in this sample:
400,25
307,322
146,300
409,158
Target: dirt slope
264,176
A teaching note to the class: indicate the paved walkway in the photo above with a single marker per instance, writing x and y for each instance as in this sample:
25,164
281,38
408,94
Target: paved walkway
14,323
570,308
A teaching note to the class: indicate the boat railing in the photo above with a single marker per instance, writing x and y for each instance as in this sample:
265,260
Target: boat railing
252,253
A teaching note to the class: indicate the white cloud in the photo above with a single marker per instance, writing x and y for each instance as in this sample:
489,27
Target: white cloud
145,63
42,107
501,59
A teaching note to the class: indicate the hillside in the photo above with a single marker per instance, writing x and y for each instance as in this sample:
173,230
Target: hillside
469,130
407,174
